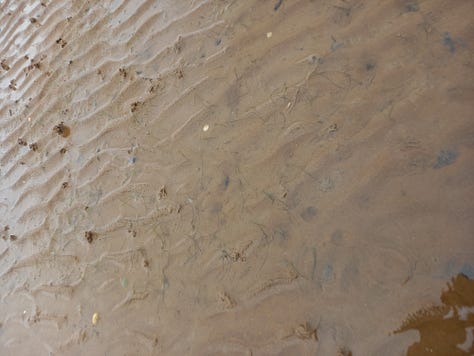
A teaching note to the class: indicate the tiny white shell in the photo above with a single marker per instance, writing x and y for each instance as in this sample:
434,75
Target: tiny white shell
95,318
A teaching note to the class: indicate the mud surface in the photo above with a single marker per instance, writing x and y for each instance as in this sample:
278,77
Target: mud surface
247,177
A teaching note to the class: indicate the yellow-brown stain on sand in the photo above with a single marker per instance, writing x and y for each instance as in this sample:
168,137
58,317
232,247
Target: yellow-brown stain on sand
444,328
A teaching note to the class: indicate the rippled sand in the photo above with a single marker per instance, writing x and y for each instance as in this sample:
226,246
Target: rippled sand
246,177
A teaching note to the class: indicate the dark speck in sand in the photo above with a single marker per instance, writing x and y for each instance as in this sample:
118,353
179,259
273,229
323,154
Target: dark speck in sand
335,44
449,42
218,41
309,213
327,273
412,6
445,158
89,235
277,5
369,66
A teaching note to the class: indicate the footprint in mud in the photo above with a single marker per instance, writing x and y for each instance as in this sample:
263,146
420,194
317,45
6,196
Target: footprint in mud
4,65
62,129
179,73
12,84
134,106
123,72
89,235
61,42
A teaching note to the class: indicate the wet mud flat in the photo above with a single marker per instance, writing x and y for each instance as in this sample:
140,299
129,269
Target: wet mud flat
236,177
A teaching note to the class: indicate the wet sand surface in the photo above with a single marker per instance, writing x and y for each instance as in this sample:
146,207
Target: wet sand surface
235,177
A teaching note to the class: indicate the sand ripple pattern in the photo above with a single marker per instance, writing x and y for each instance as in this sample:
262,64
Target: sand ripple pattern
324,195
